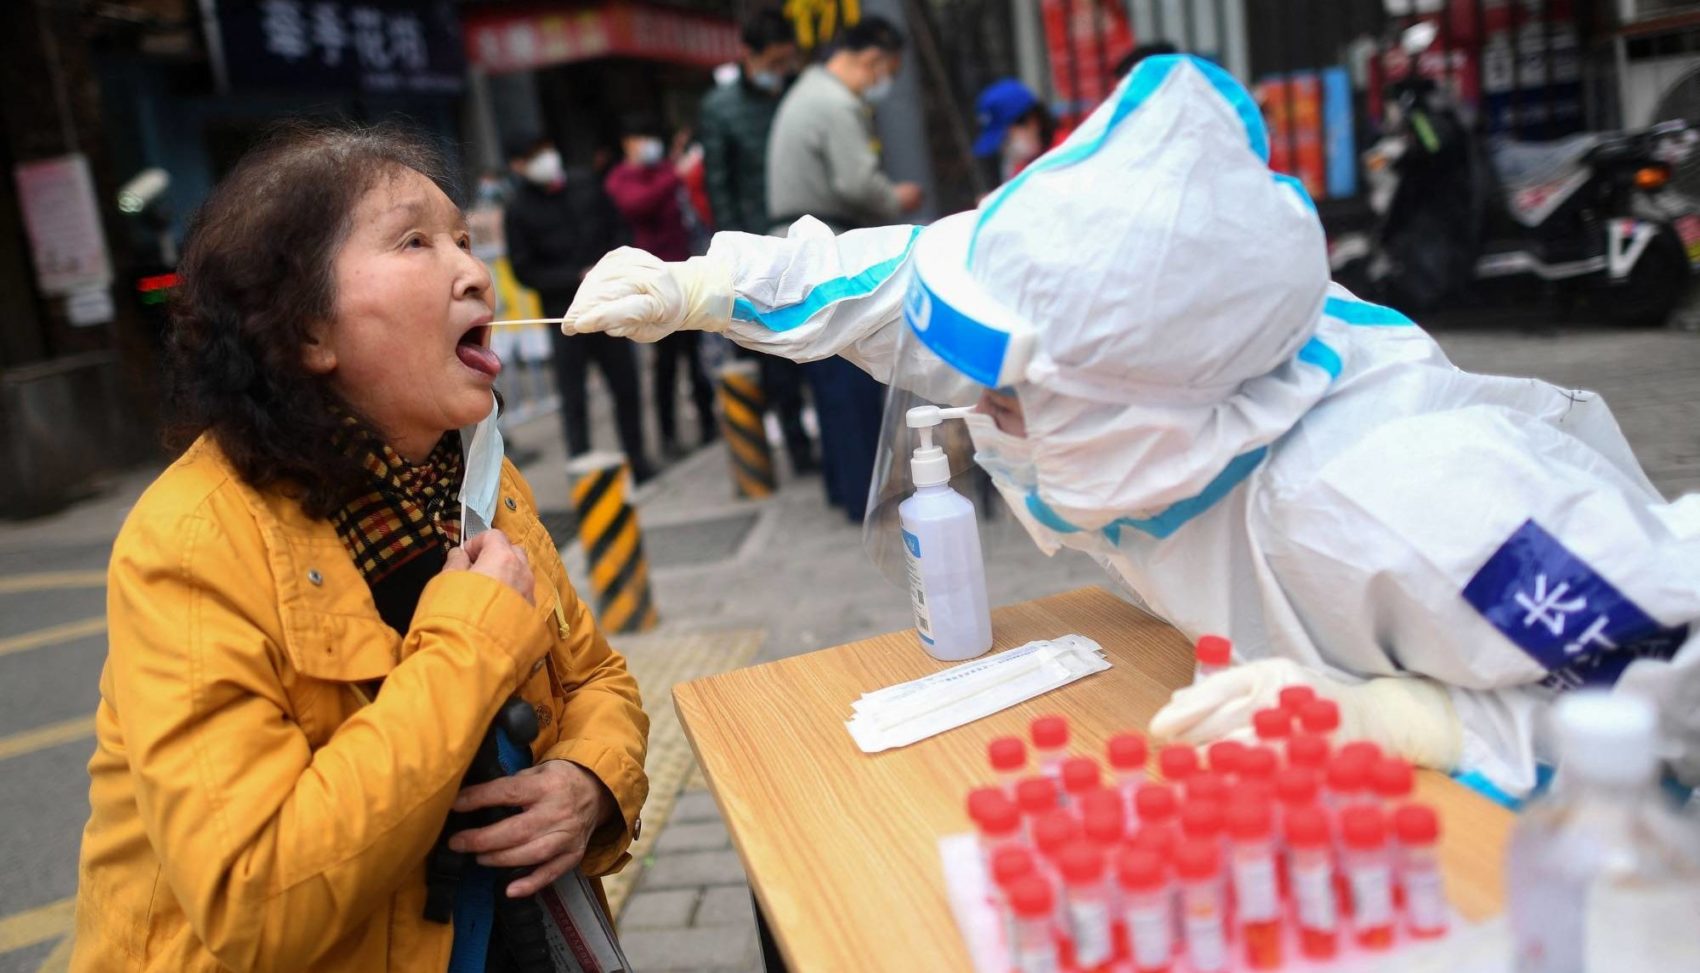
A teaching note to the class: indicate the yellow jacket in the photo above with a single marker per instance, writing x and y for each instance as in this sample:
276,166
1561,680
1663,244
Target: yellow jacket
249,809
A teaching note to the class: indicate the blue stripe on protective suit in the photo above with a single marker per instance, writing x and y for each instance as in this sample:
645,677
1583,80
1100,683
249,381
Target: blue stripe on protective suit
962,341
475,895
1555,607
826,293
1173,517
1317,352
1298,187
1363,313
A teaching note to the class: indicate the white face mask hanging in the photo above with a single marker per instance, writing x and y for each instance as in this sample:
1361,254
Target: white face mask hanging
481,445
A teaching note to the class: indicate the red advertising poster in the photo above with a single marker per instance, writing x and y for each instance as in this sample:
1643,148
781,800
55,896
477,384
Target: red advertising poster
1084,39
1292,108
497,40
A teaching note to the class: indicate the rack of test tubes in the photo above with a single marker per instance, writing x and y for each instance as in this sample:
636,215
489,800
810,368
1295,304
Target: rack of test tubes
1296,852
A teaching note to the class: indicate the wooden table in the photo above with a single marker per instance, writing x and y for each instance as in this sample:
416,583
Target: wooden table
840,846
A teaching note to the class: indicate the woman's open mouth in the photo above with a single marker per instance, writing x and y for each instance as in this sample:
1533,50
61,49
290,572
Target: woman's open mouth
474,352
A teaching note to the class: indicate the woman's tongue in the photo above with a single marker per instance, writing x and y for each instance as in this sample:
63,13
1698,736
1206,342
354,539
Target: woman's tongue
479,358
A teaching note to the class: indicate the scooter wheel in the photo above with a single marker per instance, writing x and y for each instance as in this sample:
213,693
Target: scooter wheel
1654,286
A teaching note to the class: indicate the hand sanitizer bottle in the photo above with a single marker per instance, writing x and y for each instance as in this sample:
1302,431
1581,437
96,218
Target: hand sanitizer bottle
941,539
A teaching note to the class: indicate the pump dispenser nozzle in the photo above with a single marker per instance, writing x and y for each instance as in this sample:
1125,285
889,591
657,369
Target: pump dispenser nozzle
929,464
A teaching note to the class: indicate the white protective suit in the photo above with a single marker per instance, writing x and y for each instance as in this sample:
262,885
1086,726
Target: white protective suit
1250,448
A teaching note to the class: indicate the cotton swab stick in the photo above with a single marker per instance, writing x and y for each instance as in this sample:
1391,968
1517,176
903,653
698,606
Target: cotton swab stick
519,322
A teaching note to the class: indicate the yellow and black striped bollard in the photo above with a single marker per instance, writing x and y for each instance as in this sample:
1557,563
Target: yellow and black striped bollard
741,407
613,544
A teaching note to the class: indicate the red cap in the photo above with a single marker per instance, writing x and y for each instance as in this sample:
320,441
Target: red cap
1201,819
1225,756
996,814
1140,871
1293,699
1250,820
1307,750
1207,786
1198,859
979,799
1307,827
1177,761
1320,716
1214,650
1159,841
1009,864
1053,831
1296,785
1036,795
1050,733
1031,898
1416,824
1272,724
1347,775
1007,754
1127,751
1082,862
1259,763
1393,778
1081,774
1364,828
1105,824
1155,804
1361,750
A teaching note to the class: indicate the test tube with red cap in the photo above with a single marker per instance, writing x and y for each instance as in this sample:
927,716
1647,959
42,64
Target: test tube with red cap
1159,841
1296,788
1273,726
1033,950
1178,762
1393,781
1312,869
1309,751
1213,654
1147,910
1204,907
1051,834
1347,777
1362,751
1008,757
1127,752
1418,829
1156,806
1090,910
1080,776
1009,866
1225,757
1036,796
1258,765
1204,821
1208,786
1257,895
1104,817
997,818
1293,698
1321,717
1050,744
1369,873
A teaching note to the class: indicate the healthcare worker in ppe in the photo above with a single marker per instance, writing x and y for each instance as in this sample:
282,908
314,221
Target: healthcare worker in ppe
1170,382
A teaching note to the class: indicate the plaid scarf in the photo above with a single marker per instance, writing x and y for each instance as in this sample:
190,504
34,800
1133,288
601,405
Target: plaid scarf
410,511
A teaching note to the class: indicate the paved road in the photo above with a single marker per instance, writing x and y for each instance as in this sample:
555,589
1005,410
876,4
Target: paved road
51,603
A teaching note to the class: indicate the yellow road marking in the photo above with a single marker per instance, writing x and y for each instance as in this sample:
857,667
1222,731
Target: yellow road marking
42,737
37,925
51,581
52,636
58,961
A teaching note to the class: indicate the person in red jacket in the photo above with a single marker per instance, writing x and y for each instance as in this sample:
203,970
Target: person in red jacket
646,188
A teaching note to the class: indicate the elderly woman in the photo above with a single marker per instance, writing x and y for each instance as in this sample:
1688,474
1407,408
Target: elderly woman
304,654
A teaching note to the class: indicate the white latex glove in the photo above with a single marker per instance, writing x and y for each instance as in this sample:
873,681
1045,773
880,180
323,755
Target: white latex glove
1411,717
633,294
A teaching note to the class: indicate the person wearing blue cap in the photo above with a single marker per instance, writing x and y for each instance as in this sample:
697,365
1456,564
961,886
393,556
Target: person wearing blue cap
1168,381
1015,127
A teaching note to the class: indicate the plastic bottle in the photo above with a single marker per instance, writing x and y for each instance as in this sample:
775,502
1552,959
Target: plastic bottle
1033,950
1050,744
1294,698
1009,866
1603,872
941,538
1225,757
1147,911
1369,873
1321,717
1203,905
1213,654
1312,870
1008,757
1127,753
1257,894
1090,909
1080,776
1418,829
1177,761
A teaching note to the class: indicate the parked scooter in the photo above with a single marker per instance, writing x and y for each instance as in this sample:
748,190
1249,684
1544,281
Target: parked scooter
1459,217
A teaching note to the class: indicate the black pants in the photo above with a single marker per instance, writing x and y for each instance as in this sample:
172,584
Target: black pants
668,352
782,386
849,404
617,360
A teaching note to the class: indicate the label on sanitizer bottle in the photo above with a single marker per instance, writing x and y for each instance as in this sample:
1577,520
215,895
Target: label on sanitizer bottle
917,590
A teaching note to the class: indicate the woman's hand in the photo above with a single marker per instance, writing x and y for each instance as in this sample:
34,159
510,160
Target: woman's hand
561,804
493,555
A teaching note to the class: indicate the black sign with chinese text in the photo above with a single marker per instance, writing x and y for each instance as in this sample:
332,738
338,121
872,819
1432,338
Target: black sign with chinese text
369,46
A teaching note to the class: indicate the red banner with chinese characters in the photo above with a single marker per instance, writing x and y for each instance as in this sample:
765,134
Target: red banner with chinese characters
1084,39
498,40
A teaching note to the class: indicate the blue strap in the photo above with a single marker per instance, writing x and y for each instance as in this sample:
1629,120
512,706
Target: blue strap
824,294
475,896
1363,313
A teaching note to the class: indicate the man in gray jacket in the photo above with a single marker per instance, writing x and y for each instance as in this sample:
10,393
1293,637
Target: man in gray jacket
822,160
